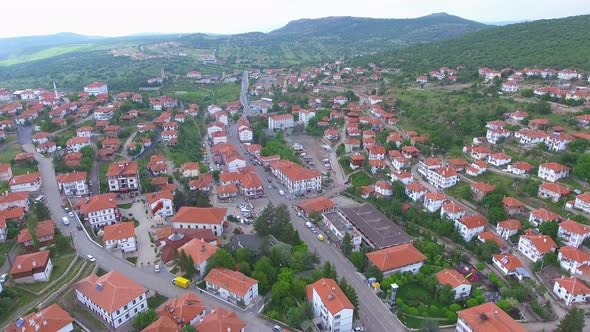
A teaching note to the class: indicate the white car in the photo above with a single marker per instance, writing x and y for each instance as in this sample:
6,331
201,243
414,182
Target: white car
157,268
71,214
91,258
3,278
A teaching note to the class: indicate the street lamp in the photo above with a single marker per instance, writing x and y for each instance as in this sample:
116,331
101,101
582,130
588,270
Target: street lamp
9,261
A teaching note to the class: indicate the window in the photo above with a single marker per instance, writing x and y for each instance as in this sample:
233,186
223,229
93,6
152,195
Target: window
125,307
337,316
134,301
126,315
119,320
118,311
142,305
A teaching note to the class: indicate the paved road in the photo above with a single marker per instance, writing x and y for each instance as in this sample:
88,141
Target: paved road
159,282
243,94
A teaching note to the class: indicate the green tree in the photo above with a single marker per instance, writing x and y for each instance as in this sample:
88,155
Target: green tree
243,255
374,272
359,260
346,244
549,228
328,271
350,293
144,319
188,328
221,258
573,321
582,167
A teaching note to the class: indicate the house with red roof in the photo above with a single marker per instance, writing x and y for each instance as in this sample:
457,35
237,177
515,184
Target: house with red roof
512,206
534,247
470,226
330,305
204,182
489,236
552,191
509,265
573,233
161,203
26,182
571,290
120,236
383,189
199,251
72,184
458,283
100,210
499,159
574,260
481,189
400,258
442,177
44,232
434,201
508,228
377,152
189,170
123,176
31,268
220,320
452,211
318,205
416,191
281,122
114,298
542,215
552,172
297,179
487,317
582,202
96,88
50,319
520,168
186,309
203,218
231,286
5,172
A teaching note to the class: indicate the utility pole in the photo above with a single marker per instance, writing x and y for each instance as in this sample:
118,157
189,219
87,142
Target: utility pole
9,260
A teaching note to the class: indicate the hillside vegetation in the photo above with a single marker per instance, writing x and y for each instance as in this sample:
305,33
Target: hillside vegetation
554,43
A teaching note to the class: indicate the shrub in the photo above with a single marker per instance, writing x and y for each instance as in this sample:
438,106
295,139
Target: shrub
472,303
480,266
454,307
452,317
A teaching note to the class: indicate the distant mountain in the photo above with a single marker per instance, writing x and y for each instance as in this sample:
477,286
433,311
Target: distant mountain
555,43
18,44
380,32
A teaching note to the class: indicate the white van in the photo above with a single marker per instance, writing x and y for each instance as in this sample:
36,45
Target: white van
41,198
65,221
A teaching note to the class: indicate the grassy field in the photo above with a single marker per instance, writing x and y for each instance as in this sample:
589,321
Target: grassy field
60,264
43,54
202,94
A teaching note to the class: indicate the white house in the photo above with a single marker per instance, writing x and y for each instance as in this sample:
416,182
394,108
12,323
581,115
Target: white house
573,233
219,137
306,115
400,258
49,319
85,131
74,144
189,169
25,182
384,188
104,113
458,283
297,179
571,290
113,297
331,305
245,134
443,177
199,251
574,260
100,210
542,215
582,202
494,135
508,228
452,211
231,286
31,268
215,127
73,184
470,226
567,74
120,236
235,163
416,191
96,88
186,309
434,201
552,172
520,168
499,159
509,87
534,247
200,218
507,263
123,176
552,191
161,203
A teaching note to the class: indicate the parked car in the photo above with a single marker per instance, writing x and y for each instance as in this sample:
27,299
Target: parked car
157,268
79,227
277,328
71,214
3,278
91,258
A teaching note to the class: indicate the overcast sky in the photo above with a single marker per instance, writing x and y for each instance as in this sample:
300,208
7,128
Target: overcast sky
124,17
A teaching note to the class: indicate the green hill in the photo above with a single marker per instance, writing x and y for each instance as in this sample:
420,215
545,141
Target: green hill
555,43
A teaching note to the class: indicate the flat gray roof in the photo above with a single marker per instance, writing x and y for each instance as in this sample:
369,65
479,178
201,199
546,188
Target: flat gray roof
375,226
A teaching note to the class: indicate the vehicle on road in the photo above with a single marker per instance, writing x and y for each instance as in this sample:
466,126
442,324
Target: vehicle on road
270,186
359,329
67,209
281,192
41,198
71,214
308,224
65,221
79,227
320,237
277,328
91,258
3,278
181,282
157,268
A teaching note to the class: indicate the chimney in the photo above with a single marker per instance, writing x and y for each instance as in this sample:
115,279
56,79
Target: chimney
19,266
34,263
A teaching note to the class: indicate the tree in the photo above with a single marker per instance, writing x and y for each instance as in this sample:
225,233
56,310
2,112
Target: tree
144,319
350,293
188,328
374,272
221,258
243,255
582,166
573,321
346,244
328,271
359,260
430,325
549,228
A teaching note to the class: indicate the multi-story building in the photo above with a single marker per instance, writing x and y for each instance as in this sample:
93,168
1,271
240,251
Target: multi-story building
295,178
552,172
186,309
44,232
534,247
571,290
50,319
487,317
452,211
552,191
200,218
220,320
542,215
574,260
508,228
120,236
434,201
306,115
582,202
26,182
443,177
282,121
470,226
96,88
73,184
30,268
123,177
161,203
113,297
100,210
231,286
573,233
331,305
508,264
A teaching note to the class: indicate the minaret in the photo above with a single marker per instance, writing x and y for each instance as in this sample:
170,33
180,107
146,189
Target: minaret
55,90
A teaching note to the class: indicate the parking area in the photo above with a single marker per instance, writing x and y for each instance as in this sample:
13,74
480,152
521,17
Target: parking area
313,151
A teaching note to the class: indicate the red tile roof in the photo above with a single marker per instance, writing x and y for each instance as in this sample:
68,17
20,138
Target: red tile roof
50,319
220,320
233,281
198,215
555,167
545,214
451,277
119,231
331,295
154,197
556,188
575,227
510,224
483,187
114,292
43,229
25,178
71,177
474,221
163,324
122,168
29,262
575,254
98,203
573,285
512,202
488,317
198,250
489,236
509,261
318,204
181,310
395,257
543,243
